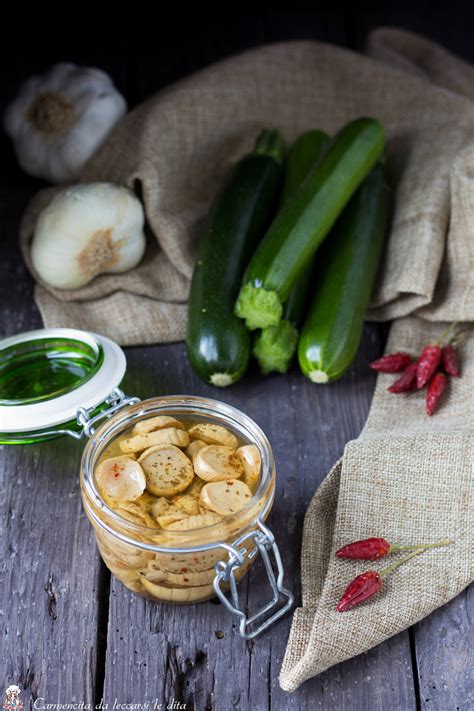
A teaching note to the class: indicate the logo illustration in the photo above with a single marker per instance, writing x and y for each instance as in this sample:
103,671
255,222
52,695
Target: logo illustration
12,700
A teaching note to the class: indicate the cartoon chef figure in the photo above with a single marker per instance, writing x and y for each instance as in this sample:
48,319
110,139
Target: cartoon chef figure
12,699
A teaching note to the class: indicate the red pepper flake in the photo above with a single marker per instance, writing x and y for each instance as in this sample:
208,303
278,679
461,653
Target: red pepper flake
450,361
392,363
428,363
116,470
436,388
407,380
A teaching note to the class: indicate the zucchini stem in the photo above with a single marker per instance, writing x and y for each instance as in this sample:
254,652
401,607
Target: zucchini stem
258,306
271,144
275,347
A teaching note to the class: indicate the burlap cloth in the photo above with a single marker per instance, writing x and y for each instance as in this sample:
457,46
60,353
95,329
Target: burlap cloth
407,477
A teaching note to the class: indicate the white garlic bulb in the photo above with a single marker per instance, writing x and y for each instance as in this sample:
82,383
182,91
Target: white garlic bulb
59,119
86,230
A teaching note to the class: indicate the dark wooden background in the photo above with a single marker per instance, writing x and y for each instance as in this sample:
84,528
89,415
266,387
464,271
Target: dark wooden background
71,634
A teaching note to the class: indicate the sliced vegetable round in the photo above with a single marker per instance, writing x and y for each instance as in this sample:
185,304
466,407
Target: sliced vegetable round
190,522
226,497
121,478
213,434
167,520
217,462
168,471
194,447
135,513
188,503
160,422
169,435
252,462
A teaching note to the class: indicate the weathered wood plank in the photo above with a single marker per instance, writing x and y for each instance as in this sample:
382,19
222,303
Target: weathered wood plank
444,645
50,575
50,568
174,651
17,308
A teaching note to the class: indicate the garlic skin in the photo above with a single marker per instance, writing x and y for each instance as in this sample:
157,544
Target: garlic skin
59,119
87,230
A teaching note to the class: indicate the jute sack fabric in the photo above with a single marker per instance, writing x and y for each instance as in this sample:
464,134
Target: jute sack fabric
407,478
176,147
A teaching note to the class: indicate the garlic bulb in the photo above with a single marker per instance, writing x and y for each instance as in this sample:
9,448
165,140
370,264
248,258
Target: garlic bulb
59,119
88,230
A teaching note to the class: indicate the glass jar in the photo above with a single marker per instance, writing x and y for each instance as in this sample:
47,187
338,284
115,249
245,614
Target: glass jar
163,565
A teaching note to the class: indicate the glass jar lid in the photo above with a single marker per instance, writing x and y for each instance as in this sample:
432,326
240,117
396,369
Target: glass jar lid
47,375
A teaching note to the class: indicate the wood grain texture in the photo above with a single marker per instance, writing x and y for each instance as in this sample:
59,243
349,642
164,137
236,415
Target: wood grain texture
444,646
50,571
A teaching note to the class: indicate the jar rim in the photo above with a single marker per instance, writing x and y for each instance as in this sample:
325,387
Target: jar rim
44,416
172,405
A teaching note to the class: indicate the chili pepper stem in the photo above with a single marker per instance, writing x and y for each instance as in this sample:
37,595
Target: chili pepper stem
444,542
458,338
390,568
441,340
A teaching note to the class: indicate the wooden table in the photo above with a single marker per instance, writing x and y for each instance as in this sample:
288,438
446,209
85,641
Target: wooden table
73,634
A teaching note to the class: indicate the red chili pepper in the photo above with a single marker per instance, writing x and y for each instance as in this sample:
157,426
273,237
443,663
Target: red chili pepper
436,388
407,380
368,549
361,588
374,548
391,363
369,583
428,362
450,361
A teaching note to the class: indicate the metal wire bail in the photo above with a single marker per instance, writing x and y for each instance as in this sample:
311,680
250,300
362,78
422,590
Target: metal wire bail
116,401
264,543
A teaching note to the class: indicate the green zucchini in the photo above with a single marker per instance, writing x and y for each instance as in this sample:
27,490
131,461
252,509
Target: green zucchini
302,157
304,221
275,346
218,344
347,265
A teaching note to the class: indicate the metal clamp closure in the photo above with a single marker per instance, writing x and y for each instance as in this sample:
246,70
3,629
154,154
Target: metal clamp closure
282,599
116,401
